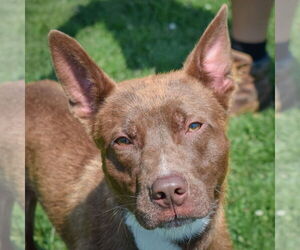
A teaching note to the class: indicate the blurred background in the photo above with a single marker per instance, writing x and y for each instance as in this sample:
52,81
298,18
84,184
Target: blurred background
287,136
12,123
12,40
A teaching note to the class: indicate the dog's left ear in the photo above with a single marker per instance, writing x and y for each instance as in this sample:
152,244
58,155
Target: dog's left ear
210,60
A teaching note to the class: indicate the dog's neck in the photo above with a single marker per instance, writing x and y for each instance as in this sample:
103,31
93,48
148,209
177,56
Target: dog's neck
164,238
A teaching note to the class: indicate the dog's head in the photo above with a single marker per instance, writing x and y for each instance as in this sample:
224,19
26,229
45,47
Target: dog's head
162,137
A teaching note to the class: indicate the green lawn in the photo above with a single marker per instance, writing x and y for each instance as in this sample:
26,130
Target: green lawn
135,38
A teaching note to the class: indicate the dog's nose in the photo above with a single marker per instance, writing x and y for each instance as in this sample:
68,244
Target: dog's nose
169,190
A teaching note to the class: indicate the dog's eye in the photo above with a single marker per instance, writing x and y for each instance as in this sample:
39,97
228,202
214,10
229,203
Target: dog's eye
122,141
194,126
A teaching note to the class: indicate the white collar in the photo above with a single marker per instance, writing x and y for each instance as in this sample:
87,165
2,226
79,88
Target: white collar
162,238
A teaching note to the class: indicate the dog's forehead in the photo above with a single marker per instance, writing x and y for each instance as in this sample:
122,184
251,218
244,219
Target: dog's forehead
160,90
159,99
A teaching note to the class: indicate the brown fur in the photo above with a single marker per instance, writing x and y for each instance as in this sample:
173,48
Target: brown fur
85,192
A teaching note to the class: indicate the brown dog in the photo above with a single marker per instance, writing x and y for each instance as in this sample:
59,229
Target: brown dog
159,180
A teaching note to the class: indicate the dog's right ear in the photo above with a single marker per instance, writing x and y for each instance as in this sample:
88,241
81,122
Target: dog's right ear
85,84
210,61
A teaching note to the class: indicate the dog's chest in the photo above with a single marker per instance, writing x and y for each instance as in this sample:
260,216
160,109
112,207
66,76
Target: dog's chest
149,241
161,238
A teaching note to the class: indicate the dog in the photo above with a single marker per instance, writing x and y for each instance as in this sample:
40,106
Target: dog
141,164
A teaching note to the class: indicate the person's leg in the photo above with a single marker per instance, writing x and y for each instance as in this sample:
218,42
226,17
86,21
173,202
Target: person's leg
249,33
250,20
249,26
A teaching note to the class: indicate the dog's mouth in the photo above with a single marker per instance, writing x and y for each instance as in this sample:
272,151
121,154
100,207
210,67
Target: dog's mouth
176,229
176,220
172,219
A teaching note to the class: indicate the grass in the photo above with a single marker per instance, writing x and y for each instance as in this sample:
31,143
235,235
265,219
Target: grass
132,39
251,181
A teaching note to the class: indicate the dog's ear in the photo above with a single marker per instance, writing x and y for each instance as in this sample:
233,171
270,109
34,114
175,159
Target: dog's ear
210,60
85,84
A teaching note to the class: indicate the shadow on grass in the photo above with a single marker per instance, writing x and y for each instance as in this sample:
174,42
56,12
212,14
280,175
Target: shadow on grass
152,34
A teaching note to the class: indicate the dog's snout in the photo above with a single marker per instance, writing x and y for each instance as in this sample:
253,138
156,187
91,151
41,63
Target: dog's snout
169,191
